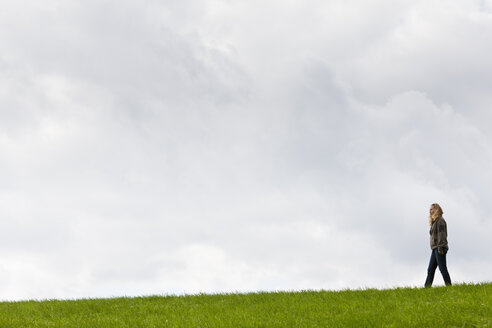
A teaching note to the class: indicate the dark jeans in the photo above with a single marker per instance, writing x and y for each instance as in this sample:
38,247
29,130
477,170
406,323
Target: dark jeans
437,260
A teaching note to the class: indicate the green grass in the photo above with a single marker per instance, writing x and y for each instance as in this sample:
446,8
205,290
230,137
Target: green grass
456,306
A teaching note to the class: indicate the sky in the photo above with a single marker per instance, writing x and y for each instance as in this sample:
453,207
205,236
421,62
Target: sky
181,147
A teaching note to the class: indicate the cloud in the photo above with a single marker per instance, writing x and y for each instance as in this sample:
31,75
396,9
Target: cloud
158,148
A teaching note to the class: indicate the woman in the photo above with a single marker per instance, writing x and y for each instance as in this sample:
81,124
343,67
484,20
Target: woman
439,246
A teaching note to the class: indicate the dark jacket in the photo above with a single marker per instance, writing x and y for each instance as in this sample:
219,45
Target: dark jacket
439,235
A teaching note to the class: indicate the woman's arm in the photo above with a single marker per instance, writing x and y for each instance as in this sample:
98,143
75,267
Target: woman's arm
442,238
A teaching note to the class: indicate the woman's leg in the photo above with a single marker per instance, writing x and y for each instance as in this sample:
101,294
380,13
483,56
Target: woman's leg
431,269
441,262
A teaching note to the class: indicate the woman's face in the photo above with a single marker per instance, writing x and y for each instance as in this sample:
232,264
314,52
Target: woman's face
432,209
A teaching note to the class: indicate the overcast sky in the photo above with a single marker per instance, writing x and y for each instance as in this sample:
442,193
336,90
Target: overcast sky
176,147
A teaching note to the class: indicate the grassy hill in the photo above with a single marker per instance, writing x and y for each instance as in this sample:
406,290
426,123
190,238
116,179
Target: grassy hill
456,306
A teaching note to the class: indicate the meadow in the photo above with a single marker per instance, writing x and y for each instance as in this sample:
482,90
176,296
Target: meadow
464,305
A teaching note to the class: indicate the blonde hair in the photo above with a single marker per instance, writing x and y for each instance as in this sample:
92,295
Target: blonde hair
437,213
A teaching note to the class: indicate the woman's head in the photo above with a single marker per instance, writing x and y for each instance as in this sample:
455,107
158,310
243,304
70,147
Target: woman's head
435,212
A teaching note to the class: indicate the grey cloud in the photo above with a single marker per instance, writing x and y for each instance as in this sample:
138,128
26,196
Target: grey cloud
201,147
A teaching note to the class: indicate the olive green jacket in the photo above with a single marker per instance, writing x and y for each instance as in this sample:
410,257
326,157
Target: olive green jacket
439,235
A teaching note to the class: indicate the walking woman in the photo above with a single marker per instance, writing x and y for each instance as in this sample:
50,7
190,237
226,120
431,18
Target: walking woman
439,246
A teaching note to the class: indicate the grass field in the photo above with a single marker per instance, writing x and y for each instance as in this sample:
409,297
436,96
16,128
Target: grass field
456,306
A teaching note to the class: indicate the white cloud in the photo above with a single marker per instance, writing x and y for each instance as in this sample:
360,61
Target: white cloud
225,146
